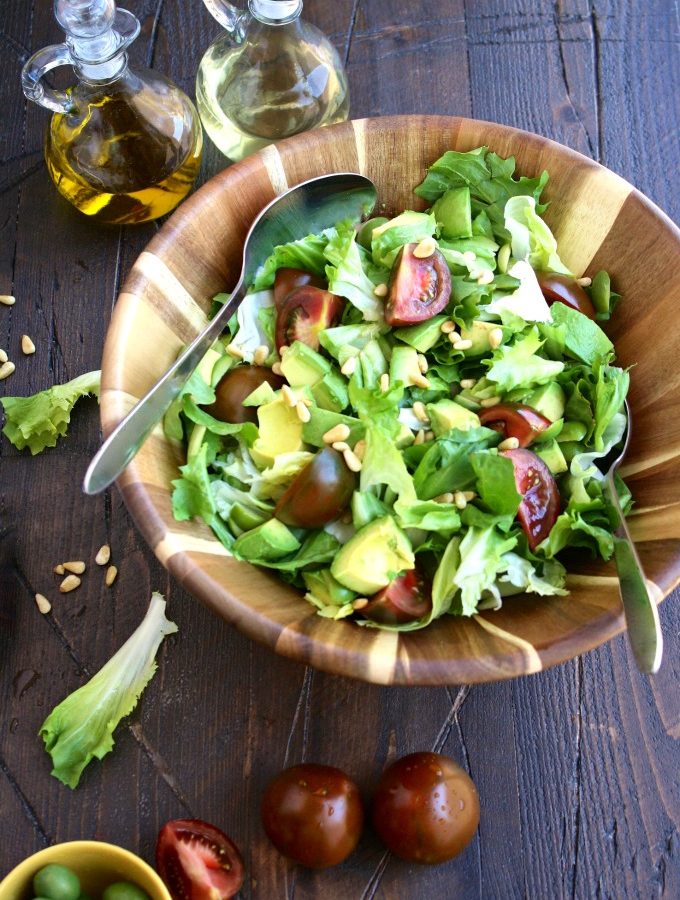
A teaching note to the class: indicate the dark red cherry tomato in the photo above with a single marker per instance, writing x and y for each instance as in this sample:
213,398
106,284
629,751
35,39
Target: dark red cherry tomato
515,420
198,861
418,288
407,598
233,388
565,289
426,808
304,313
319,493
540,507
313,814
286,280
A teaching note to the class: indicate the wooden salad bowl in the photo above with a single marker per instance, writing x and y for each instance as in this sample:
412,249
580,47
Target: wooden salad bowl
600,221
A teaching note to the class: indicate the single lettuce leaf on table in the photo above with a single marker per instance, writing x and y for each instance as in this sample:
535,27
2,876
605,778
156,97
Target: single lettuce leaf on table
81,726
38,421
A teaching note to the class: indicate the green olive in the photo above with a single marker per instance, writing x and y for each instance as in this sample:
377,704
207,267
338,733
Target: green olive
124,890
56,882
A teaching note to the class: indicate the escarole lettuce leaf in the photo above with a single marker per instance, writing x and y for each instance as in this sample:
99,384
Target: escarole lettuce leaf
38,421
518,365
81,726
347,276
532,239
307,253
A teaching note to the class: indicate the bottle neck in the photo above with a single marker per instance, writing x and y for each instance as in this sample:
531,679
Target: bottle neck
275,12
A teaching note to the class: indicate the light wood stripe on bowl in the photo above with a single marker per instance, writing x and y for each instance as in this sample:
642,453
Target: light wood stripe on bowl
600,221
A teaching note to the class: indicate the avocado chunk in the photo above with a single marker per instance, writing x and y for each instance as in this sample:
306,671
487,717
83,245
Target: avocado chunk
280,432
365,234
244,518
572,431
548,400
271,540
303,366
404,366
331,392
447,414
453,213
478,333
374,557
423,336
552,456
265,393
325,589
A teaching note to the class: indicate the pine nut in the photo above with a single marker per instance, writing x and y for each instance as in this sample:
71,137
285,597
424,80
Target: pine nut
360,603
340,446
289,397
76,566
70,583
276,368
44,604
360,449
485,278
384,382
6,370
349,366
420,381
303,413
346,518
447,327
470,256
423,364
339,432
459,500
7,299
58,569
235,351
283,349
308,403
27,345
454,337
420,412
504,258
495,338
444,498
3,356
429,436
584,282
380,290
490,401
469,495
103,556
110,576
260,355
352,461
468,383
419,438
510,443
462,345
425,248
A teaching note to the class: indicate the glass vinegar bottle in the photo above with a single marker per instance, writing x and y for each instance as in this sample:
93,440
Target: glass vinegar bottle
271,75
124,145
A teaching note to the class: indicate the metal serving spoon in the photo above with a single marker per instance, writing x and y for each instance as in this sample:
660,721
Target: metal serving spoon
642,616
308,208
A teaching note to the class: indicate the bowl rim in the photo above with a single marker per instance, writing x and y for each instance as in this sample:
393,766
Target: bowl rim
342,660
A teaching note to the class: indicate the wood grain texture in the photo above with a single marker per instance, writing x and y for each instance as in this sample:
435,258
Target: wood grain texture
575,766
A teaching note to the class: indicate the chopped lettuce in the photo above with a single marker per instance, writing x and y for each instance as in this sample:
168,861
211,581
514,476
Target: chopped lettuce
518,364
406,228
306,253
532,239
346,275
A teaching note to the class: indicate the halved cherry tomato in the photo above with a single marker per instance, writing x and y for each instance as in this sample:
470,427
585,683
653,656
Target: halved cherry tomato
304,313
418,288
565,289
426,808
319,493
198,861
515,420
540,507
233,388
407,598
313,814
286,280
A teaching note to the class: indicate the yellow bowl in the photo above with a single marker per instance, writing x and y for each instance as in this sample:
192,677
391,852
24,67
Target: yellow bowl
96,864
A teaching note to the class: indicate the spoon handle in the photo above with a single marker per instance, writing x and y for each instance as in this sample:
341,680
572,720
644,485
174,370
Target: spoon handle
642,617
127,437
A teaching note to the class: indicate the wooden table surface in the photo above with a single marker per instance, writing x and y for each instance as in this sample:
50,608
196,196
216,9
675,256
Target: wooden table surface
578,767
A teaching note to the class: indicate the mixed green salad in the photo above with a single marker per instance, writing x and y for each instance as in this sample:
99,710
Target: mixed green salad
405,416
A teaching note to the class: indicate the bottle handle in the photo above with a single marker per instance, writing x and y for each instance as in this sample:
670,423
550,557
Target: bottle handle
35,70
229,16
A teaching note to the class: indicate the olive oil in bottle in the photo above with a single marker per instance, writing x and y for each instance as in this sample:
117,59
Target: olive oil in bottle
123,145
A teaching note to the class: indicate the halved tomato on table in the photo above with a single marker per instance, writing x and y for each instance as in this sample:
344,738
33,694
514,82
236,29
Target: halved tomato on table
304,314
197,861
514,420
419,288
540,505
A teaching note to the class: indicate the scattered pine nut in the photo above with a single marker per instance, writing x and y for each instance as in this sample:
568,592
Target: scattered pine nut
420,412
110,576
346,518
235,351
303,413
490,401
7,299
468,383
584,282
360,603
447,327
340,446
276,368
58,569
339,432
3,356
260,355
70,583
308,403
470,256
420,381
510,443
419,438
459,500
384,382
380,290
27,345
454,337
425,248
289,397
360,449
283,349
462,345
504,258
429,436
444,498
349,366
495,338
44,604
103,556
6,369
423,364
485,278
76,566
469,495
352,461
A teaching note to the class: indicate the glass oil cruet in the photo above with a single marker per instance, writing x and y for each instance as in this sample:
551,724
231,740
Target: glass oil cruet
269,76
124,145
